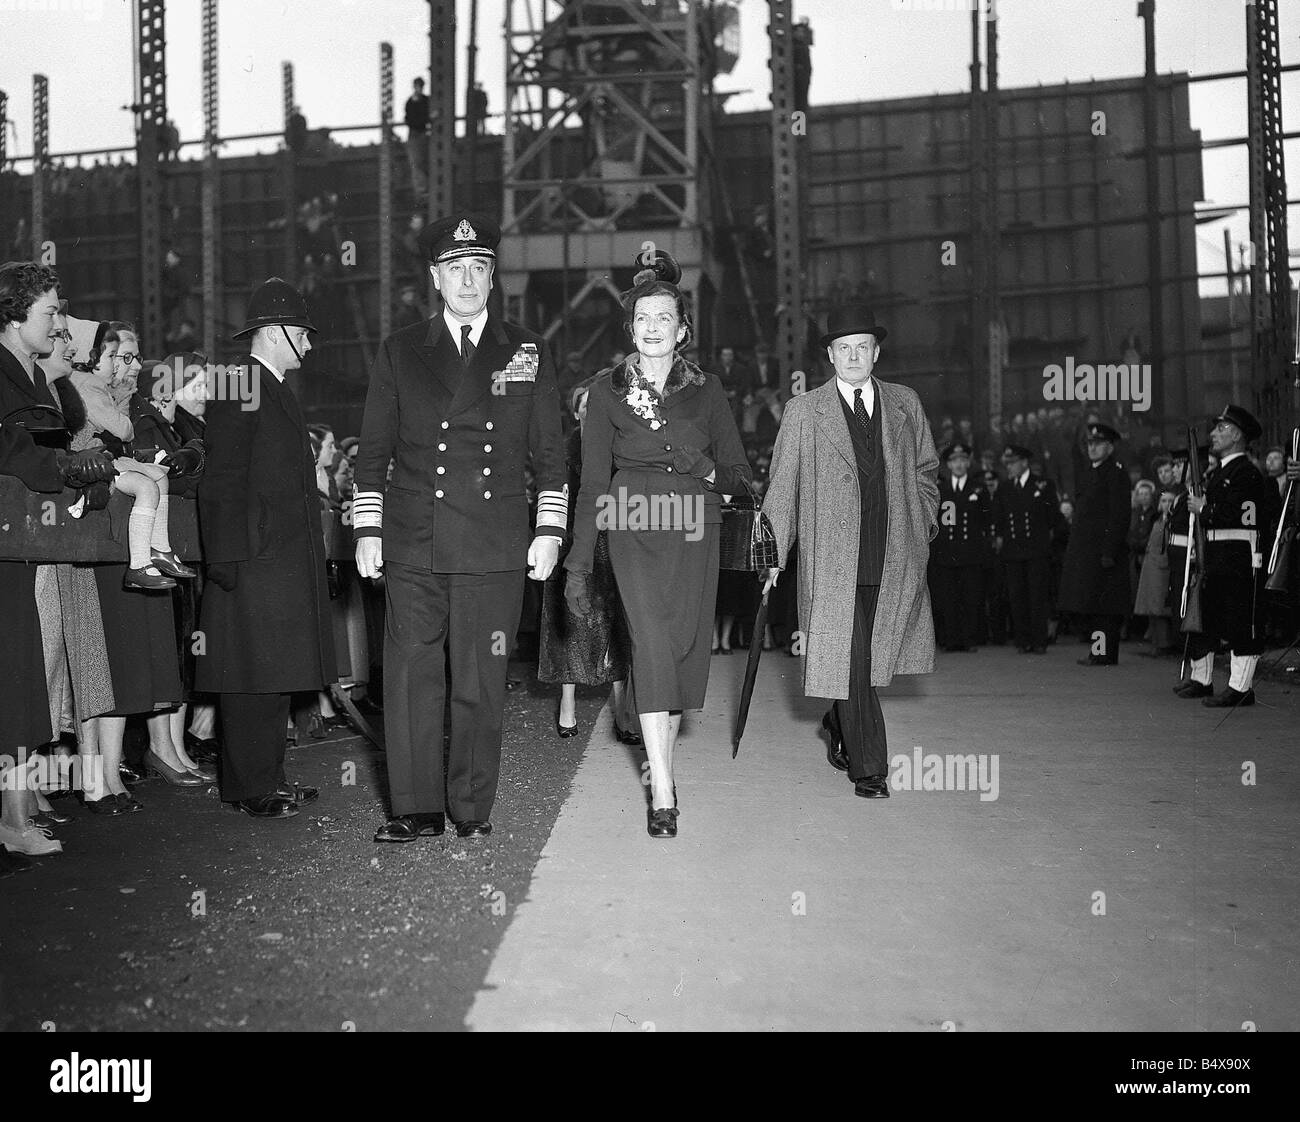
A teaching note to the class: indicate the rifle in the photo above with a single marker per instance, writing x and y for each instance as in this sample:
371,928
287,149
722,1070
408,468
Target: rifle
1279,560
1194,569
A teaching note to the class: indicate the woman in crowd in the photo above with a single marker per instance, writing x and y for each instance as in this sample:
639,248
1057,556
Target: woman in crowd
666,429
1152,597
1142,516
165,431
140,637
583,650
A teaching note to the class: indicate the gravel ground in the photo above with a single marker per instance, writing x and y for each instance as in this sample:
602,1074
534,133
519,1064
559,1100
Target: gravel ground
192,916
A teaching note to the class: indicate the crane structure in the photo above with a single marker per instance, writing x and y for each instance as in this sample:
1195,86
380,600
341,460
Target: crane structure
607,156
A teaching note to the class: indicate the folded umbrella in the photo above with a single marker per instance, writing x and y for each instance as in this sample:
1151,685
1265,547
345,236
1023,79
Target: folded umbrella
751,672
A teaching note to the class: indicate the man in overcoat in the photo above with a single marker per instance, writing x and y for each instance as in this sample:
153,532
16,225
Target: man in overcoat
264,621
853,482
460,403
960,552
1094,576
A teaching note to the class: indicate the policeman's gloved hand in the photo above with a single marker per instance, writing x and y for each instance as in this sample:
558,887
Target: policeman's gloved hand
90,465
576,594
691,461
1107,562
186,460
224,574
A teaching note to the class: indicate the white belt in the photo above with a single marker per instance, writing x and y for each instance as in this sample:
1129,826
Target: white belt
1248,536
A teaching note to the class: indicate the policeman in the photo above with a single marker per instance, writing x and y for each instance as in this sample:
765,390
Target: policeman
1094,575
1236,510
1025,513
460,403
959,553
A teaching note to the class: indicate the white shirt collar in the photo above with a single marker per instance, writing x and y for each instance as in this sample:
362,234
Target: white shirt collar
454,325
959,484
278,376
1023,478
1230,457
868,389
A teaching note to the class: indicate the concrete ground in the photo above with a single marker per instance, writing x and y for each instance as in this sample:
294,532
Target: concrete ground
1136,870
1124,877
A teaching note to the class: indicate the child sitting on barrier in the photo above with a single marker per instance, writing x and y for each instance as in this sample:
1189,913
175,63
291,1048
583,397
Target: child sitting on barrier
153,564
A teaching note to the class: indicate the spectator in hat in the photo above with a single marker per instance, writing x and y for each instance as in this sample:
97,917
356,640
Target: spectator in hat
1095,576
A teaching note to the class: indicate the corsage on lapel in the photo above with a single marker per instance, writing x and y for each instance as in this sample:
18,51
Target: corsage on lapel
643,401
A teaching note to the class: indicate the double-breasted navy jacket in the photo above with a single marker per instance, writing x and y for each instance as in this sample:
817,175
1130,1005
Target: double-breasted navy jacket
965,524
460,438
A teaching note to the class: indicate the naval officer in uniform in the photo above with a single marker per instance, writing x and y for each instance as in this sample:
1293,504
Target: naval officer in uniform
460,403
958,555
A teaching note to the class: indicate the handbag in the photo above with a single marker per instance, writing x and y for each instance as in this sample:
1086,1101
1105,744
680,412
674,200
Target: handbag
747,543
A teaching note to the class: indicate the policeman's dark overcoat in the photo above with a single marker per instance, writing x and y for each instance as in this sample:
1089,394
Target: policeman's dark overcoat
1025,518
965,524
1099,529
259,508
460,437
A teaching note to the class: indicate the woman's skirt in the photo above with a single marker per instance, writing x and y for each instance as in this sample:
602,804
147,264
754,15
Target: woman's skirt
669,588
140,633
1152,598
590,651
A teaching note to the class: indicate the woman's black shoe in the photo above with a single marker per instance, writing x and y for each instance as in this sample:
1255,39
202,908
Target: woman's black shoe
565,731
661,823
627,737
107,805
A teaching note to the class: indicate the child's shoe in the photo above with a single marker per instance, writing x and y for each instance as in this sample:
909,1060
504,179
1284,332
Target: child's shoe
148,578
170,565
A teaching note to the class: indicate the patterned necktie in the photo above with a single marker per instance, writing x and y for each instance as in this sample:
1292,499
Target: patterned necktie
466,344
860,412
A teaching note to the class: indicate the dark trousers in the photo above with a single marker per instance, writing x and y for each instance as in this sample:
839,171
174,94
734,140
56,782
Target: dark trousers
1105,628
858,721
1027,584
252,743
434,620
957,592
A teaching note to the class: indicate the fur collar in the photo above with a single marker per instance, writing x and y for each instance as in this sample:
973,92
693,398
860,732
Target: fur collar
684,373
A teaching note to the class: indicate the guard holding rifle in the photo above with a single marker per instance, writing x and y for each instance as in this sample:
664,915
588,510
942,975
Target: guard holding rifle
1236,510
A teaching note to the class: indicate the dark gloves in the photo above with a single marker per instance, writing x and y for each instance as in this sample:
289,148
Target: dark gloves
91,465
186,460
689,461
224,574
576,594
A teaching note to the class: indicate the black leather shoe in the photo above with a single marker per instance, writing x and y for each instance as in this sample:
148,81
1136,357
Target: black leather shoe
565,731
1097,660
273,805
316,727
200,749
473,829
408,827
1038,650
661,823
835,754
1230,699
872,787
129,775
1192,689
298,793
624,737
108,805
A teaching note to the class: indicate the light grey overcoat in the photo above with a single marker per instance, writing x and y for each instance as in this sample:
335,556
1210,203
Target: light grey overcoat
812,496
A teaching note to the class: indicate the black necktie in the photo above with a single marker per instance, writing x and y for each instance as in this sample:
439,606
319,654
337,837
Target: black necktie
860,412
466,344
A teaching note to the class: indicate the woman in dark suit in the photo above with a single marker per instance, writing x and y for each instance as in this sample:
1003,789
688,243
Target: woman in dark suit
667,429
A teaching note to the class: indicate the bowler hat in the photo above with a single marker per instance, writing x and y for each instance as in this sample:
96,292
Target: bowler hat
275,303
460,235
852,320
1251,429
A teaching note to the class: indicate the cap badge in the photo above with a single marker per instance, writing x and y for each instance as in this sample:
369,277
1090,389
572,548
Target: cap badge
465,232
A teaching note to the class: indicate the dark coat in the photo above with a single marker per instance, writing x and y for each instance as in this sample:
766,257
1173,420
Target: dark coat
25,707
258,508
1237,499
1100,530
153,430
1026,518
461,439
620,451
965,524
